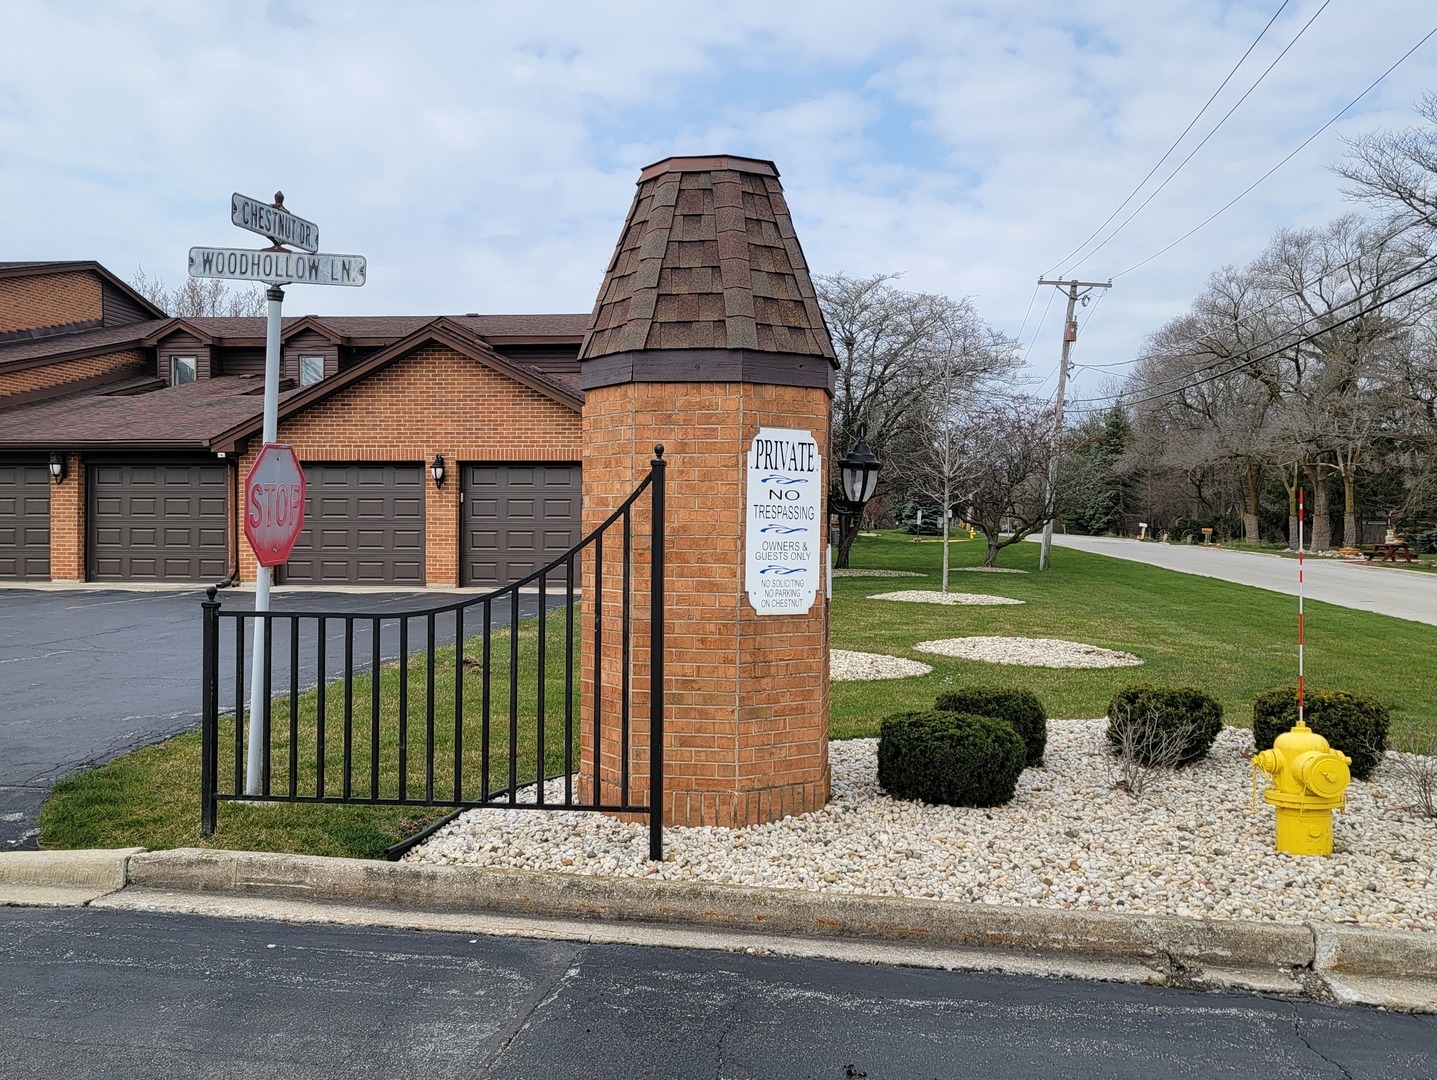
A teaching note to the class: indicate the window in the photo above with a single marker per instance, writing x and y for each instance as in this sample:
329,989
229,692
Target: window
311,370
182,370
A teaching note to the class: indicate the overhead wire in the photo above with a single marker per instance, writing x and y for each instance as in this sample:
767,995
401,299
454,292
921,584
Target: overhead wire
1247,190
1168,152
1193,153
1306,339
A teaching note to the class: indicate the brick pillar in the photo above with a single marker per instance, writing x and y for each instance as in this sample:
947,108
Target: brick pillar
67,523
746,695
441,524
706,330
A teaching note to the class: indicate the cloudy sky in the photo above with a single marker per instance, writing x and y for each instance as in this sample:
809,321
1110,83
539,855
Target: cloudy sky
483,155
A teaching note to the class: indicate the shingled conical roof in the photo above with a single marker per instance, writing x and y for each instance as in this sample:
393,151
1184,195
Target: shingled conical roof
708,260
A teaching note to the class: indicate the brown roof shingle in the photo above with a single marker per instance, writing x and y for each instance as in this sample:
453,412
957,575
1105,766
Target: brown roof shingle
707,259
177,417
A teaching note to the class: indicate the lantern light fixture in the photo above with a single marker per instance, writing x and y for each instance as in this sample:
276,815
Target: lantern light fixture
858,470
57,467
436,470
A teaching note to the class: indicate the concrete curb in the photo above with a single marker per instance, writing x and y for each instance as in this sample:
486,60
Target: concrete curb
62,878
1342,963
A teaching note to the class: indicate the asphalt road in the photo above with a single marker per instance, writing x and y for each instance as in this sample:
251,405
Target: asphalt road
94,993
1402,594
88,675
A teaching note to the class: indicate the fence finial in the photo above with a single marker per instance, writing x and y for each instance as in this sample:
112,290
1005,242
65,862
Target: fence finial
659,450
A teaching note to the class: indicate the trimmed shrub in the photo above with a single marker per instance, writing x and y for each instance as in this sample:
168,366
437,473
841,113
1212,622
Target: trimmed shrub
1353,723
1162,711
1020,708
946,757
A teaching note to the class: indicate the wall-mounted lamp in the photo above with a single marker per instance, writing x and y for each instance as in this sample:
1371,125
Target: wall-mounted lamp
437,470
57,467
858,471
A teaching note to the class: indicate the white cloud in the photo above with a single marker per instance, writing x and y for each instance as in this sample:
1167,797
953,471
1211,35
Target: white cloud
483,156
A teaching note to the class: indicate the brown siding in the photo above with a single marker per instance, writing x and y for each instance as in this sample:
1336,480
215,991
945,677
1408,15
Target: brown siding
246,361
183,344
120,308
30,303
308,343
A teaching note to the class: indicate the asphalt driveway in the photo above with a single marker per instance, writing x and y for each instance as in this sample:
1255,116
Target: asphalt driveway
87,675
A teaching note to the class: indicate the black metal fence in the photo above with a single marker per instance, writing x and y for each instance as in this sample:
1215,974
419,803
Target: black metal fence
475,703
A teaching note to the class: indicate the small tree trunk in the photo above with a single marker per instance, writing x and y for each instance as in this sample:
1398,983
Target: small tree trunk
1350,538
945,552
1250,506
990,557
847,533
1321,510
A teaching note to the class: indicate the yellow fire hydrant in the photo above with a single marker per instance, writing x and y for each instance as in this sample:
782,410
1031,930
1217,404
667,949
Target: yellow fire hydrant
1309,781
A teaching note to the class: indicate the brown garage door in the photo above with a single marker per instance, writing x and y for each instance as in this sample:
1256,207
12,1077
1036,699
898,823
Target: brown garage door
363,525
517,518
158,522
24,521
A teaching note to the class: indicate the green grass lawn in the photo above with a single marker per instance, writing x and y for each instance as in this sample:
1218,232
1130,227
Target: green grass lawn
1229,640
151,799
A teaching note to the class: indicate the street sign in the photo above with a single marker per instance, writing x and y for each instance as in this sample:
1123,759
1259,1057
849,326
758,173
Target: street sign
274,503
277,267
279,225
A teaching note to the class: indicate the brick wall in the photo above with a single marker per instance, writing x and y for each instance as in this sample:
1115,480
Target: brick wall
746,696
33,303
67,523
128,361
436,401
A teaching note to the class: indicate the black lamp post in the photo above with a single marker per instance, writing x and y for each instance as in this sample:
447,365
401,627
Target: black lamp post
858,472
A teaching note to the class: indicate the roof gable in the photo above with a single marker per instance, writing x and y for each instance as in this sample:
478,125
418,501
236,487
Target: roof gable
441,331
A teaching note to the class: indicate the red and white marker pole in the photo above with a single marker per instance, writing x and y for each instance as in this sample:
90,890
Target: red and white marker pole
1299,606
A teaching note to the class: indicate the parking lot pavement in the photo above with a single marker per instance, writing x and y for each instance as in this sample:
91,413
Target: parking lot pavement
89,674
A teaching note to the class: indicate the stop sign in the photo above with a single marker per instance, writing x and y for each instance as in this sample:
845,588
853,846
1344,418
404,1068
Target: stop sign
274,503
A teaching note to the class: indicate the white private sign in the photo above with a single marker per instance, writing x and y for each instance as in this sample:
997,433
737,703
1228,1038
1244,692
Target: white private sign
277,267
783,537
279,225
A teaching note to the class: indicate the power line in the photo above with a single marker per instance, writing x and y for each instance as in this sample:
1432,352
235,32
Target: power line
1211,133
1031,300
1168,152
1307,339
1337,116
1415,268
1038,329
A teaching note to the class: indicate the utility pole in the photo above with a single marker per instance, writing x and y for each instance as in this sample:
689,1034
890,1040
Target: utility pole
1070,335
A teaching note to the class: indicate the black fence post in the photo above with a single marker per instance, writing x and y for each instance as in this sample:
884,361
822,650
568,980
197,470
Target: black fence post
656,662
209,711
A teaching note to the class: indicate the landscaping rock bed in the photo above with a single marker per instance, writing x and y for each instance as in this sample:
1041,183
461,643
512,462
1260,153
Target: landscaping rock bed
933,596
846,666
852,572
1029,652
1192,846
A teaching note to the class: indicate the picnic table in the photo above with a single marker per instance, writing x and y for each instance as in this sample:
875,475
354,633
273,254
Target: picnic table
1388,551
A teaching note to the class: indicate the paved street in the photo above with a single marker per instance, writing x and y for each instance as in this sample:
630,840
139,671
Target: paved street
1381,589
94,993
87,675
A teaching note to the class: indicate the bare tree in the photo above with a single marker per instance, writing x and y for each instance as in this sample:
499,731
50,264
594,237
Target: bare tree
892,344
1005,444
199,297
1397,170
971,357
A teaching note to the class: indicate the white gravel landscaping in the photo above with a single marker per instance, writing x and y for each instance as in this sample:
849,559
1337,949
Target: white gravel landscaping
847,666
1029,652
985,570
853,572
1192,846
933,596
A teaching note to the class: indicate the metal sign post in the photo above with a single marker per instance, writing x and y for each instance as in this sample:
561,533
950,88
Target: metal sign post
276,266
